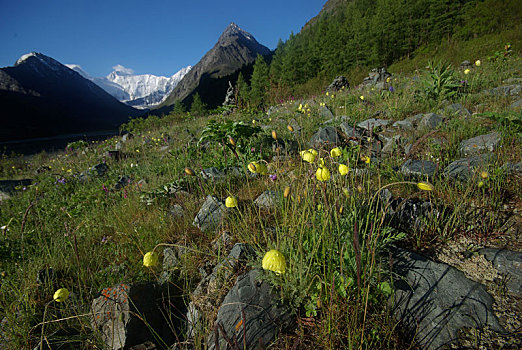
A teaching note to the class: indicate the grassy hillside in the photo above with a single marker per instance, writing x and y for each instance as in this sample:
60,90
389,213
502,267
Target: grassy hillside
94,233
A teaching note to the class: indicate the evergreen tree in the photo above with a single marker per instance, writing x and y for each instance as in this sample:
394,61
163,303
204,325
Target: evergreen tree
179,108
242,91
198,107
259,83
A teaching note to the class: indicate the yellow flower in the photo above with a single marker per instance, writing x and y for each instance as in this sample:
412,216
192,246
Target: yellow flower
343,169
322,174
253,121
333,96
189,171
231,202
319,207
388,79
361,97
137,151
478,63
484,175
274,135
290,128
60,295
300,106
335,152
313,151
326,93
308,156
467,71
257,168
274,261
366,159
232,141
287,192
424,186
480,184
150,259
346,192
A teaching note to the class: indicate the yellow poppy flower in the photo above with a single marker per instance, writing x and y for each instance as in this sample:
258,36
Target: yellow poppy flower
343,169
361,97
335,152
231,202
308,156
478,63
150,259
189,171
290,128
424,186
287,192
232,141
467,71
484,175
274,135
60,295
322,174
274,261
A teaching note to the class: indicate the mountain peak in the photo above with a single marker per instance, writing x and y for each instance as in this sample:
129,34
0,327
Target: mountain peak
234,31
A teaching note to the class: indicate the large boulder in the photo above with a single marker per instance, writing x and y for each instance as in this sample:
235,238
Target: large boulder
481,143
433,301
419,168
251,314
327,137
465,168
338,83
128,315
508,263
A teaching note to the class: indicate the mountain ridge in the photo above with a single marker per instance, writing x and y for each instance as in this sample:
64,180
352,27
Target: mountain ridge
42,97
234,49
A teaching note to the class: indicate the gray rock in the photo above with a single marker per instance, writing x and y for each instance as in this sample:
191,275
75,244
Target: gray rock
517,104
123,181
222,243
325,113
433,300
3,197
411,214
508,263
326,137
466,64
376,75
176,211
511,168
251,313
391,144
506,90
457,109
213,174
267,199
403,124
354,132
171,263
210,215
488,142
118,146
207,291
338,83
430,121
118,314
373,123
464,168
126,137
419,168
99,170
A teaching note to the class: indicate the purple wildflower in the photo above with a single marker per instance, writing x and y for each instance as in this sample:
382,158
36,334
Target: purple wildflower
391,89
273,177
104,239
105,189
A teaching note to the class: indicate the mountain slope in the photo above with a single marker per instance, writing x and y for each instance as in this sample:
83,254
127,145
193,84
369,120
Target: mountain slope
234,49
50,99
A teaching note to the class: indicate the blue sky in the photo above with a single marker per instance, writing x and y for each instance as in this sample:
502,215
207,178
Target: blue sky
157,37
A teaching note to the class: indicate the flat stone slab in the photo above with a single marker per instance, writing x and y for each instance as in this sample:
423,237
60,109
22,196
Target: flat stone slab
373,123
419,168
326,137
458,109
464,168
434,300
509,263
325,113
267,199
481,143
210,215
506,90
430,121
250,313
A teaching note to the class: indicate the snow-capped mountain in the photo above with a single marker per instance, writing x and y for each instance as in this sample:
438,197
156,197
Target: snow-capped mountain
40,97
140,91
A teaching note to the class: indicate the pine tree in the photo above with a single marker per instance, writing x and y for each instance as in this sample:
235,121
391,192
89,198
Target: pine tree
242,91
179,108
198,107
259,84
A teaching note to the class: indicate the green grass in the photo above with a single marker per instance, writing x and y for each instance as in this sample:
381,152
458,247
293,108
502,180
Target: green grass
330,232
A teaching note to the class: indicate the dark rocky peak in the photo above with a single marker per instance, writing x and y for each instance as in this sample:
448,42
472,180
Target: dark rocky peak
36,63
233,33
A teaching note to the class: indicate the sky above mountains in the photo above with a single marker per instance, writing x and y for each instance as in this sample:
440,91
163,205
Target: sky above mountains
156,37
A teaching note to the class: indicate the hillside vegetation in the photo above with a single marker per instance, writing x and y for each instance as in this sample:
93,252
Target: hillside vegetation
88,230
